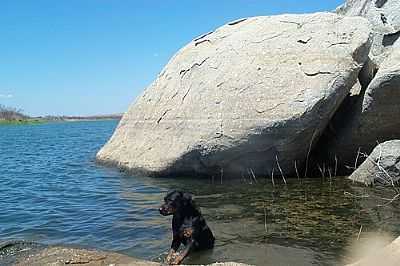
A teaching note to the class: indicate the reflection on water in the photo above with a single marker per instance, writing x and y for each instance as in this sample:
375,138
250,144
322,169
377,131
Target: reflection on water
52,191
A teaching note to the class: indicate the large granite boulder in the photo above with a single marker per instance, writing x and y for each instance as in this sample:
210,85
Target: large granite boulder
382,166
372,117
384,16
253,93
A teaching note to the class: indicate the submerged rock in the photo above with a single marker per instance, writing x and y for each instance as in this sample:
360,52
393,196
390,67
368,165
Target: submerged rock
251,97
11,250
382,165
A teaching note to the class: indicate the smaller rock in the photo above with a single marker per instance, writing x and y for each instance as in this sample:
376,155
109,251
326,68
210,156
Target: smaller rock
389,256
382,166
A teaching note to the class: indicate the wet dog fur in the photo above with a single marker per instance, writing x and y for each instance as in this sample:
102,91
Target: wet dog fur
188,226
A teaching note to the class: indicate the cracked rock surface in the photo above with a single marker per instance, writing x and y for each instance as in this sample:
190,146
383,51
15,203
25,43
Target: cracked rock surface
249,97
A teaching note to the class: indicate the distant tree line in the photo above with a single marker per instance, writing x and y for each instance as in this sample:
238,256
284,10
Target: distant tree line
11,113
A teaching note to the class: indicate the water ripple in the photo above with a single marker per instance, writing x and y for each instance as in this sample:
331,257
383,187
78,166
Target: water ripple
51,190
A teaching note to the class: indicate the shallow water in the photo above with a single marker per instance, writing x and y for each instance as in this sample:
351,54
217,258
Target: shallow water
53,192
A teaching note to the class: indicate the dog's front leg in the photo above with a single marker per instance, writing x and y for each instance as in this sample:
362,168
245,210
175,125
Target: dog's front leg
176,242
170,256
178,259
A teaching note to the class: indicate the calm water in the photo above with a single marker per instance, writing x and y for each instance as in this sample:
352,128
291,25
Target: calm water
53,192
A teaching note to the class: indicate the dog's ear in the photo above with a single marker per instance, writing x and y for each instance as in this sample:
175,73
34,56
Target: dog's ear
187,198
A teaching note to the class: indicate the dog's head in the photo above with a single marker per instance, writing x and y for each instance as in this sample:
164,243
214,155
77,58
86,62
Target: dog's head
175,200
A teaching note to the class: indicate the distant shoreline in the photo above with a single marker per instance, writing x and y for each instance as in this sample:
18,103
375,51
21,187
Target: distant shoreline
47,119
21,121
80,118
14,116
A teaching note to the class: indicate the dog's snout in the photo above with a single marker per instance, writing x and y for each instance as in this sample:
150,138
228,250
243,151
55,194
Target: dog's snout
165,210
162,210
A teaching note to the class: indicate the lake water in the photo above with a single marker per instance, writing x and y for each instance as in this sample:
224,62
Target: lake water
53,192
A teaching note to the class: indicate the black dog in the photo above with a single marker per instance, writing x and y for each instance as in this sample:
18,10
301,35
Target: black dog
188,226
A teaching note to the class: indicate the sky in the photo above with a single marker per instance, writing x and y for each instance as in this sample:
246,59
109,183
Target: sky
90,57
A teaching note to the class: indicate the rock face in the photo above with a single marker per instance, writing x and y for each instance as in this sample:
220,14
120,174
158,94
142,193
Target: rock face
237,100
384,16
373,116
382,165
369,115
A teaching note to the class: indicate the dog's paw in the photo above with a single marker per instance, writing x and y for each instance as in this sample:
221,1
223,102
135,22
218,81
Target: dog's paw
177,259
171,258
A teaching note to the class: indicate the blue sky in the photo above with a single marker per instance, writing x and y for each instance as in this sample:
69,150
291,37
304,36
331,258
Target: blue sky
86,57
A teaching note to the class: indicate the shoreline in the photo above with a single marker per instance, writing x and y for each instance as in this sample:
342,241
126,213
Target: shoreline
19,252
